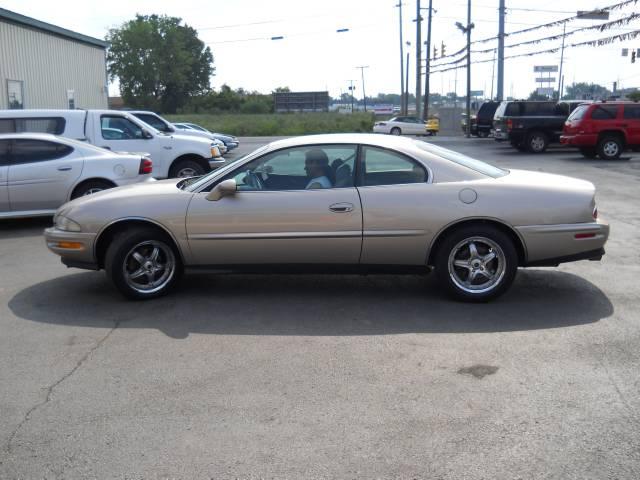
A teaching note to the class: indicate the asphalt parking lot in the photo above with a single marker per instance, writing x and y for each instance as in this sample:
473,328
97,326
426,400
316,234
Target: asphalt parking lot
329,377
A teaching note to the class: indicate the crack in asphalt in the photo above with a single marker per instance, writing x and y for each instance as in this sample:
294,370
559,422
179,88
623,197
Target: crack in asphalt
53,386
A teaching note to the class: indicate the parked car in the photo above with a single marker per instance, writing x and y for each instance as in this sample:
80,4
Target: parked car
173,155
482,121
39,172
603,129
357,203
532,125
230,141
407,126
162,125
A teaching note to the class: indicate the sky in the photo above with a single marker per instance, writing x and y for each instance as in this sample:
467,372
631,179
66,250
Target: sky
313,56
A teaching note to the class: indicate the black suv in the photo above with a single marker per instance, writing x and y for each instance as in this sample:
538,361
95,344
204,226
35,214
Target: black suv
532,125
482,122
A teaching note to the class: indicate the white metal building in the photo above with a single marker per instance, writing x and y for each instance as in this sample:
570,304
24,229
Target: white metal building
45,66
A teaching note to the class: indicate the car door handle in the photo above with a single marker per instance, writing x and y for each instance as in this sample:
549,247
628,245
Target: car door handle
65,168
341,207
105,147
167,147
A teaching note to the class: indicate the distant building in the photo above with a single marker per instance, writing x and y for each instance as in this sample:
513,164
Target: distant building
301,102
45,66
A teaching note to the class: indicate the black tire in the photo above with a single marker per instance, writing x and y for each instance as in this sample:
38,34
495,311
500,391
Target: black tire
589,152
186,168
120,258
486,239
537,142
483,134
396,131
610,148
90,187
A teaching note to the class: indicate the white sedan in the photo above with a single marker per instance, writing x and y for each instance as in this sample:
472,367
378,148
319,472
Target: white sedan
39,172
401,126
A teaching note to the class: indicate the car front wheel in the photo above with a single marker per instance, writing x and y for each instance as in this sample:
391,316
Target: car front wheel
395,131
476,263
537,142
186,168
143,263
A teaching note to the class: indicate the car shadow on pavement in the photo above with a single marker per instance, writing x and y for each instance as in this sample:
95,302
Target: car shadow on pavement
314,305
24,227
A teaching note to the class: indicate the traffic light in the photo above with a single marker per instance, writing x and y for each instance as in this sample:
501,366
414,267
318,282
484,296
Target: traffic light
633,56
442,50
435,52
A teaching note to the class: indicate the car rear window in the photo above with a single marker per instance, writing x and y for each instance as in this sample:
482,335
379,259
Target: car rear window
578,113
632,112
538,109
604,112
53,125
512,110
472,163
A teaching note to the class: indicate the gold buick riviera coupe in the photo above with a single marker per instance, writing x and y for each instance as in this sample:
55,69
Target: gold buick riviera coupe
341,203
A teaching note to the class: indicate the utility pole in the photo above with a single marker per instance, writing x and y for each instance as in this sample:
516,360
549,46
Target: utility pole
501,12
399,5
418,59
364,95
467,30
564,30
493,71
425,109
406,89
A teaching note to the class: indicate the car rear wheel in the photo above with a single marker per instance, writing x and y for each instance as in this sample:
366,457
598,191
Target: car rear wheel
186,168
589,152
537,142
476,263
91,187
143,263
610,148
395,131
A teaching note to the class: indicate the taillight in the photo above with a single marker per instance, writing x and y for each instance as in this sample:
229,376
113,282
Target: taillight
509,124
146,166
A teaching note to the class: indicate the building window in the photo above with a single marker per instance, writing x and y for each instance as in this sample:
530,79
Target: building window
71,99
15,94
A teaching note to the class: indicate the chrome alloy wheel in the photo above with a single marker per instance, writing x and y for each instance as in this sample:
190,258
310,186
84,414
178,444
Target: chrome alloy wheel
91,191
537,143
610,148
477,265
149,266
187,172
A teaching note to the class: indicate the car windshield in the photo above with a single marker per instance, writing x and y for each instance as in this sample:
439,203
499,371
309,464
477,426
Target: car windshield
203,180
463,160
578,113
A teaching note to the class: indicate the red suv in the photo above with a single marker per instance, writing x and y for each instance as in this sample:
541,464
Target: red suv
605,129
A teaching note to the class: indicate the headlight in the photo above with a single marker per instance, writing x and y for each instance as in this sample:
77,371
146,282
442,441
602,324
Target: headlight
66,224
215,152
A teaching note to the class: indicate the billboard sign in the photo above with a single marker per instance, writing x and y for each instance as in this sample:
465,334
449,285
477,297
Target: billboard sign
546,79
545,91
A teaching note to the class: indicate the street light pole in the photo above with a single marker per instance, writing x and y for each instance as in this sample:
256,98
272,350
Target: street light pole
399,5
501,12
564,31
425,109
406,89
418,59
364,94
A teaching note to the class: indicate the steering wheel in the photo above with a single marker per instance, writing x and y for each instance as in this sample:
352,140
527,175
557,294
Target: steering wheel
255,180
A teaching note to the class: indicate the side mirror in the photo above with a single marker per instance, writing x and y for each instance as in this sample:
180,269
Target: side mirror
146,134
228,187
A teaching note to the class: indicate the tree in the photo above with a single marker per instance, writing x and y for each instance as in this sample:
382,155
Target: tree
634,96
536,96
586,91
159,63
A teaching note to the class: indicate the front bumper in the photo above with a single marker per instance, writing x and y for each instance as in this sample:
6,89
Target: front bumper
550,245
76,249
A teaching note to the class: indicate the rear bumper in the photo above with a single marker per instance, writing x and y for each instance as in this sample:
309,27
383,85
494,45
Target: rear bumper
500,135
550,245
579,140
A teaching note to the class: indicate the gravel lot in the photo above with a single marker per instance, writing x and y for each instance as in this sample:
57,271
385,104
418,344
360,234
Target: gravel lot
328,377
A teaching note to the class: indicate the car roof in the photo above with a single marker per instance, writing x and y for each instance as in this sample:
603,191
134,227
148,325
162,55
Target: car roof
345,138
33,136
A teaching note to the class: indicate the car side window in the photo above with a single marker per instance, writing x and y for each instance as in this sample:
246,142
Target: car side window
115,127
4,152
632,112
604,112
154,121
299,168
34,151
386,167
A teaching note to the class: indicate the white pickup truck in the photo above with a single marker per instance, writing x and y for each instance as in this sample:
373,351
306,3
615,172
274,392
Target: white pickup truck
173,155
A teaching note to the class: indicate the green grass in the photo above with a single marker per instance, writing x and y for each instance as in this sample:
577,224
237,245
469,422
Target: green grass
280,123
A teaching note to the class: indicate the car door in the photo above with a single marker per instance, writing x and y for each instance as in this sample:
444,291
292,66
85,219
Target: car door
275,218
41,174
394,191
4,169
631,120
121,134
